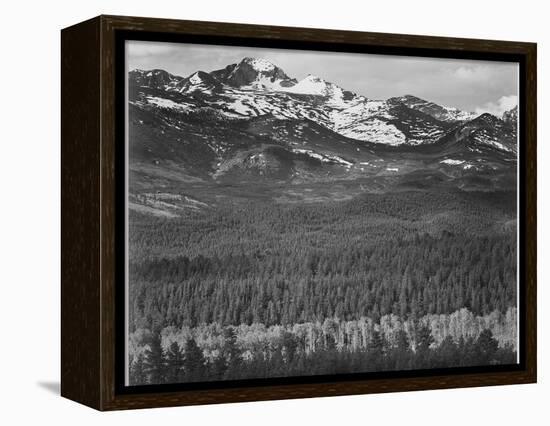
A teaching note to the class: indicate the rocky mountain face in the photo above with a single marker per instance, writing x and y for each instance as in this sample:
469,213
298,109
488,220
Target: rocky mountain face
438,112
154,79
251,122
253,73
511,116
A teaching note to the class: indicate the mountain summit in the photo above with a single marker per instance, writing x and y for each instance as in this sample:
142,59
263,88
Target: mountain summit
253,73
255,88
199,81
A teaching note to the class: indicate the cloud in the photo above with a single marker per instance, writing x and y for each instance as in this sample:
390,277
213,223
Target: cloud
144,49
475,73
505,103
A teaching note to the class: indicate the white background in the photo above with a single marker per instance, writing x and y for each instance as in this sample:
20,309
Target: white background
30,211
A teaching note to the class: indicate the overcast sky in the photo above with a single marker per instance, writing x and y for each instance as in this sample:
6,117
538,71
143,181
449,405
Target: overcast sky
469,85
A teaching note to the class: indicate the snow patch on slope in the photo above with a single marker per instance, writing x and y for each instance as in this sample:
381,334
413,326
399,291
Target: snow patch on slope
452,162
374,130
259,64
325,158
167,103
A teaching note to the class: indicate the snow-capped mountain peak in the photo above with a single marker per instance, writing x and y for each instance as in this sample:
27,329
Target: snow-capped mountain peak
156,78
314,85
253,73
199,81
260,65
256,87
196,78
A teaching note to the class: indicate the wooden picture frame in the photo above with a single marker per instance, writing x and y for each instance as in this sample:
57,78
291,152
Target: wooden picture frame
91,210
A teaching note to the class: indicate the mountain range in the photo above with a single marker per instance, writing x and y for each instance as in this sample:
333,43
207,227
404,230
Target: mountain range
252,123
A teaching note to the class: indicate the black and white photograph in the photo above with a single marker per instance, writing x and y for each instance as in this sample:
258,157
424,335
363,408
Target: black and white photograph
292,213
297,213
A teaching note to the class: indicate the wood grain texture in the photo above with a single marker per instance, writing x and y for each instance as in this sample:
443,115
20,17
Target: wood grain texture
108,215
80,213
88,212
310,35
530,211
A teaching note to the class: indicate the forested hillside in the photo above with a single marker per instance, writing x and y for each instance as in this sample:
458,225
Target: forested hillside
326,282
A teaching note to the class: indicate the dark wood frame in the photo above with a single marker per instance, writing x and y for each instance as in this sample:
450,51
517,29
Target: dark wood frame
89,210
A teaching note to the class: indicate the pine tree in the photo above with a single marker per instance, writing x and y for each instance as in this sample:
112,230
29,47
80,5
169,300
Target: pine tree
174,363
403,302
467,349
193,362
402,341
290,345
154,360
447,353
218,368
424,339
137,372
231,353
376,350
402,350
486,346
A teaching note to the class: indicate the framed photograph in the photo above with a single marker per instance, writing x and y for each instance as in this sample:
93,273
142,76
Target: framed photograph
254,212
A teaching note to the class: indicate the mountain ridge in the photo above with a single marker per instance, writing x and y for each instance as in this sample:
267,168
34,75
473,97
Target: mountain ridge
250,122
260,74
254,87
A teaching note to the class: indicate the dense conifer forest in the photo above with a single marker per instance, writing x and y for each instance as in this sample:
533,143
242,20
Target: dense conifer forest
246,289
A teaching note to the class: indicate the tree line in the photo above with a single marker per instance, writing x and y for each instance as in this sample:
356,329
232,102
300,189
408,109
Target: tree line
187,363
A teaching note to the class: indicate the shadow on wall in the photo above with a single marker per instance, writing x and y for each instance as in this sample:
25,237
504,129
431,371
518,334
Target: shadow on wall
52,387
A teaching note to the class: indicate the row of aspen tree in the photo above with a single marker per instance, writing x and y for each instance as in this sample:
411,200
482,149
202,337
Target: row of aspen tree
215,352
